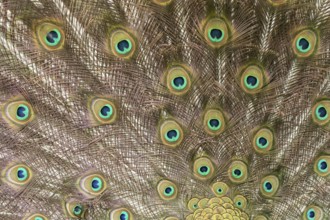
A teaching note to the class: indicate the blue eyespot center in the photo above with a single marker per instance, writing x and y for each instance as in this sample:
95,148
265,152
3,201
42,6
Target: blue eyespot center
311,214
96,184
77,209
237,172
239,203
323,166
38,218
53,37
179,82
203,169
21,174
172,134
322,112
168,190
262,141
303,44
219,190
124,215
105,110
123,45
214,124
268,186
22,112
216,34
252,81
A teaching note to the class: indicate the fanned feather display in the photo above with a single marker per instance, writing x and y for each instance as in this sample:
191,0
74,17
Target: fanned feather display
164,109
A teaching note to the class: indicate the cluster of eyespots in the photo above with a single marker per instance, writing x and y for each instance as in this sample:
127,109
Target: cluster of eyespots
121,214
122,43
50,36
178,79
104,111
238,172
240,202
203,168
215,208
18,113
263,140
171,133
313,212
252,79
167,190
214,122
17,175
216,32
320,112
305,43
269,186
220,189
321,165
92,185
36,216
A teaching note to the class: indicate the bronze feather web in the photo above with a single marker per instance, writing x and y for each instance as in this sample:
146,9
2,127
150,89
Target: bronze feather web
164,109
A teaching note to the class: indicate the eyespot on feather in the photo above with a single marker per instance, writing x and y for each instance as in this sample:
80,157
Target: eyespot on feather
171,133
238,172
167,190
240,202
305,43
263,140
193,204
214,122
122,43
50,36
74,209
104,111
220,189
313,212
17,175
18,113
121,214
36,216
203,168
252,79
178,80
216,32
269,186
320,112
321,165
92,185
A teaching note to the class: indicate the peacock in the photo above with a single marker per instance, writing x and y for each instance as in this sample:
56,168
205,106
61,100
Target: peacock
164,109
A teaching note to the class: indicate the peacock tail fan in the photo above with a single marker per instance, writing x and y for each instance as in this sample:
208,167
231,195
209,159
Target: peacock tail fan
164,109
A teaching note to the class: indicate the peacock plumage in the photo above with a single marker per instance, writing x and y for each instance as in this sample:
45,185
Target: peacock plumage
164,109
